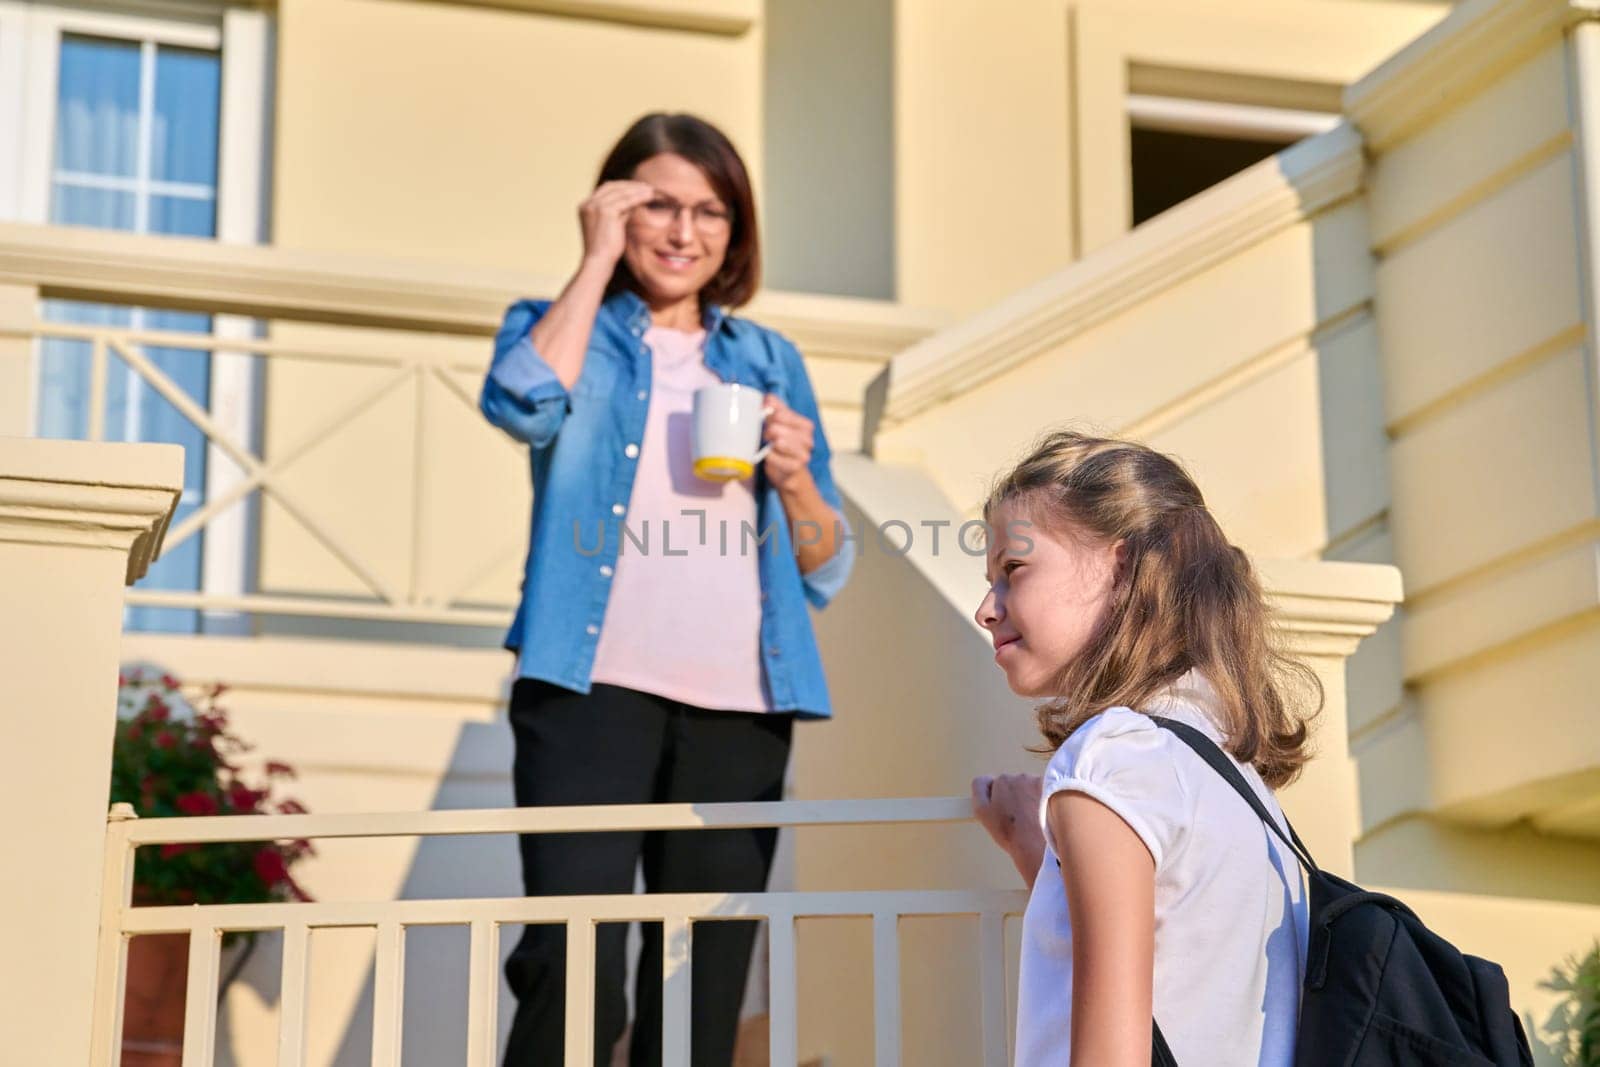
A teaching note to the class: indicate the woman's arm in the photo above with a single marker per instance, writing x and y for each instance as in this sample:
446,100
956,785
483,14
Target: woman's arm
561,337
788,467
1110,881
799,468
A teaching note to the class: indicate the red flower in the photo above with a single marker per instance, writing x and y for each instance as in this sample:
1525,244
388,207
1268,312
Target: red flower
157,710
165,740
122,679
243,798
169,851
213,722
197,803
169,682
135,732
291,807
270,866
279,770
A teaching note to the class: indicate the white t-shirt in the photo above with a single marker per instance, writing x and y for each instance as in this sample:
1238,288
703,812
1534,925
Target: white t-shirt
1231,908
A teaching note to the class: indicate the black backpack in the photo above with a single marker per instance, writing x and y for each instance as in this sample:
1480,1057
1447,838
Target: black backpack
1380,988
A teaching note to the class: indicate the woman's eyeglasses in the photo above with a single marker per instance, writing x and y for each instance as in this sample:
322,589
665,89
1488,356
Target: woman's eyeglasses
712,220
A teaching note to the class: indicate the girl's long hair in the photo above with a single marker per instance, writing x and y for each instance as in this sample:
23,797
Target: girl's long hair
1183,598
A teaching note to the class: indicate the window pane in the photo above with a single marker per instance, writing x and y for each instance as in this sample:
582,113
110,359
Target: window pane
64,368
1168,167
136,411
178,569
184,141
97,120
183,216
74,205
149,416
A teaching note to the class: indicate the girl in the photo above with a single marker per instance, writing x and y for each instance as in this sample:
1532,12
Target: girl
1155,890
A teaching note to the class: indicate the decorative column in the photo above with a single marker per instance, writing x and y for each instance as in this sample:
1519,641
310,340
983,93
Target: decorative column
1324,610
78,522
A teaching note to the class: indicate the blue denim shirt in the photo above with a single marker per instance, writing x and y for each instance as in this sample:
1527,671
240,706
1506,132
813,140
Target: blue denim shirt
583,479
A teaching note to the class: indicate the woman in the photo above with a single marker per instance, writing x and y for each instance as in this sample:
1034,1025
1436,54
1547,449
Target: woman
663,643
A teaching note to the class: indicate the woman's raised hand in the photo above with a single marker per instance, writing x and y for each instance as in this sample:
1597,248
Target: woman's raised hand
603,217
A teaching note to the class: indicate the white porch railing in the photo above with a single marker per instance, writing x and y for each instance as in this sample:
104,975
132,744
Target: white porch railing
428,374
678,915
344,403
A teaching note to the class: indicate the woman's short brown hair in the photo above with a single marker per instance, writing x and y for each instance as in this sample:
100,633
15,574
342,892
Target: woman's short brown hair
708,148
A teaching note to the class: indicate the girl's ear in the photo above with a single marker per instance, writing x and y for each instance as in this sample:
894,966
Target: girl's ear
1120,560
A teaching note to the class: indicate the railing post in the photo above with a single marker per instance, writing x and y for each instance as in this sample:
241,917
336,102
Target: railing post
77,522
19,308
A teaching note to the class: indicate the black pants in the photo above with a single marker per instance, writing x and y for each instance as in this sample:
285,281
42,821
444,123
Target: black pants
620,746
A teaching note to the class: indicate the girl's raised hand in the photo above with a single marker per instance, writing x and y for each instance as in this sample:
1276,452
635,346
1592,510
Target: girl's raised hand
1008,807
603,217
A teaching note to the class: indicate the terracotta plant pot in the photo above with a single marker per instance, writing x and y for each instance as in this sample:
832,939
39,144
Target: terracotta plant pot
152,1011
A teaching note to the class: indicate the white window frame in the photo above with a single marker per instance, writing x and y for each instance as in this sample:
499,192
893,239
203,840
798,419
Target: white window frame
30,48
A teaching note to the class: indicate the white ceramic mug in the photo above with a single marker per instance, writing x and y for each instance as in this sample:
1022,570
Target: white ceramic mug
727,431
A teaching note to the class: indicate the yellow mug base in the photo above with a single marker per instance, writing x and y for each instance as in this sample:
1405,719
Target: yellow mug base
723,468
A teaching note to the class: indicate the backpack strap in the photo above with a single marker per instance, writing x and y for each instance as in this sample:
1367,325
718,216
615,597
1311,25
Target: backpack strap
1207,750
1160,1054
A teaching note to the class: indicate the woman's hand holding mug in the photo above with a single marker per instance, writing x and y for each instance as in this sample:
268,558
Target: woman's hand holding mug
790,437
603,217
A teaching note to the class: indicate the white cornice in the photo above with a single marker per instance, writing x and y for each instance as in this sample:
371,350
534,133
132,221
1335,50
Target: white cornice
1468,48
260,280
1242,211
732,17
1325,608
271,282
115,496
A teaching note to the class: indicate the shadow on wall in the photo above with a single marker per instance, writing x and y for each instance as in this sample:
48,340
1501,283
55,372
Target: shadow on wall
920,708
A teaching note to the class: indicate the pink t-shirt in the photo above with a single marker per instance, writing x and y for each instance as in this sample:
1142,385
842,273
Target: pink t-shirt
684,616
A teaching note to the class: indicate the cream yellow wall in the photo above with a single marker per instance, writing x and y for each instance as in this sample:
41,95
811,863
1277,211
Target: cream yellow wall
1011,127
828,131
468,133
1489,406
982,148
77,522
1208,359
1304,45
920,709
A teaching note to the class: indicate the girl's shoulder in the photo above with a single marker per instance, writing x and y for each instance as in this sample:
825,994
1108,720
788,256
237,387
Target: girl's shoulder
1128,763
1112,735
